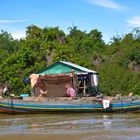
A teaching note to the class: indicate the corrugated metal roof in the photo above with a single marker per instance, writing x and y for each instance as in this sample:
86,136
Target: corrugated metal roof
62,67
78,67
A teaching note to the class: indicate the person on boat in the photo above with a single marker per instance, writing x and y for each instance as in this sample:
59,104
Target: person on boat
5,90
130,95
70,91
43,93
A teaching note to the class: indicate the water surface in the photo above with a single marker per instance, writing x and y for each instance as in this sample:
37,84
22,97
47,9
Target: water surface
123,126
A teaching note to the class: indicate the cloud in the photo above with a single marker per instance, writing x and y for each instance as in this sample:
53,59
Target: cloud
13,21
15,32
18,34
107,4
134,21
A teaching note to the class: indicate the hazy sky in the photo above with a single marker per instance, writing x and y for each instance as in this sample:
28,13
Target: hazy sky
111,17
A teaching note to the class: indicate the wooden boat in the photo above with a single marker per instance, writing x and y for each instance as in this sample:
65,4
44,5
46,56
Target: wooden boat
62,105
51,82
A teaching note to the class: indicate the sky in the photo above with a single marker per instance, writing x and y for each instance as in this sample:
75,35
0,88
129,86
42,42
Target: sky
111,17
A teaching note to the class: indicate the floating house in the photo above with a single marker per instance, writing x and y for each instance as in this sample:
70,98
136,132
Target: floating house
50,82
53,79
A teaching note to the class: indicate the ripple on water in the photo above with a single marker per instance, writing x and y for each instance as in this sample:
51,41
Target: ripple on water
109,125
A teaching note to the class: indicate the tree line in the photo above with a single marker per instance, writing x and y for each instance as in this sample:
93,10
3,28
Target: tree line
118,62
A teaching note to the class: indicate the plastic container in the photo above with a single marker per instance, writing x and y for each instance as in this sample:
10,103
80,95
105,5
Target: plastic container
24,95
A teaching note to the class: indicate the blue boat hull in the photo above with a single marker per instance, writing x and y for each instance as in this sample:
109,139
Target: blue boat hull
21,106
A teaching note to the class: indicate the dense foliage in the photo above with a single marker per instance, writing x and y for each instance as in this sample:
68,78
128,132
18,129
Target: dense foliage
117,62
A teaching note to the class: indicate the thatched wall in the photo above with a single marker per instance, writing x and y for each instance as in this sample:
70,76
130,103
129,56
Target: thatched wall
52,85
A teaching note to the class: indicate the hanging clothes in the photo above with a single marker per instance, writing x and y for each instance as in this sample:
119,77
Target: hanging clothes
34,78
106,103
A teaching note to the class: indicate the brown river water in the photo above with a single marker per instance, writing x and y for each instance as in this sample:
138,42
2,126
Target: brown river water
88,126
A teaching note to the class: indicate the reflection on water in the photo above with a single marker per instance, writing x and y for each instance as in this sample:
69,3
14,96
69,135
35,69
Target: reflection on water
115,126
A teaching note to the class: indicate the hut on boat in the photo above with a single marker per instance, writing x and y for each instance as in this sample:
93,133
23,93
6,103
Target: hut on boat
52,80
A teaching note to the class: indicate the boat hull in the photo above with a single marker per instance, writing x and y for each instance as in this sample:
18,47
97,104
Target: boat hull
21,106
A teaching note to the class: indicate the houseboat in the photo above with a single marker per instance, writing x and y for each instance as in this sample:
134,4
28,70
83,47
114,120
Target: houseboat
49,93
